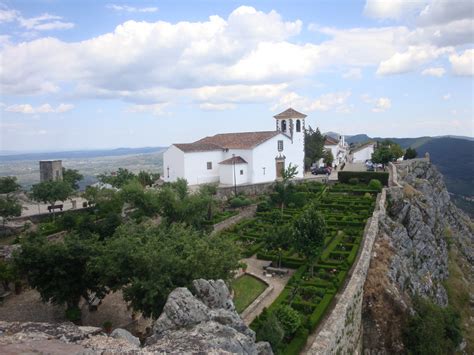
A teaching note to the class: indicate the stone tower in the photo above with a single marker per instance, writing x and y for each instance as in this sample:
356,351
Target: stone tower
51,170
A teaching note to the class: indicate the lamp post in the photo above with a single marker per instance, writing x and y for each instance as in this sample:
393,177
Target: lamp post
235,181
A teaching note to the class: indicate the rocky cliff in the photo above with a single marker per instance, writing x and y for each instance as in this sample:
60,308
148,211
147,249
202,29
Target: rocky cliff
418,238
205,322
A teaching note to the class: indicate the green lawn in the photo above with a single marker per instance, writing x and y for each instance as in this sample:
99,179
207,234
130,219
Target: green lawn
246,289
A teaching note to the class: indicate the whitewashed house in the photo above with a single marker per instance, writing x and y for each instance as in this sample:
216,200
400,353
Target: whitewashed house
240,158
363,152
338,148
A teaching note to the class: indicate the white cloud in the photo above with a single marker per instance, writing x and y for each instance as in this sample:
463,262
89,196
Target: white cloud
444,11
207,106
44,22
392,9
463,64
331,101
382,104
127,8
354,74
410,59
447,96
434,71
8,15
45,108
154,109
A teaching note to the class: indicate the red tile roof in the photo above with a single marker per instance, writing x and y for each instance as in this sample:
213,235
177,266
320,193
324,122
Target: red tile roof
243,140
330,141
290,113
234,160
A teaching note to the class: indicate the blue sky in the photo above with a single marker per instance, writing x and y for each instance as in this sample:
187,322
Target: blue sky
91,74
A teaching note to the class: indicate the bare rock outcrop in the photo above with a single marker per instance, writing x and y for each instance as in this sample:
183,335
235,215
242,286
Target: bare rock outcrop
410,255
202,323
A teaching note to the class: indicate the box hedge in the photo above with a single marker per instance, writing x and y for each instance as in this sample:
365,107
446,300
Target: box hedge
363,176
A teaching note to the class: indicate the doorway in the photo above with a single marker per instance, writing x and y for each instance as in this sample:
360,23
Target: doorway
280,166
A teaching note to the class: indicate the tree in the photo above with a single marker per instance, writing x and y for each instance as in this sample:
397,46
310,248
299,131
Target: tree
51,191
60,270
72,177
149,261
8,184
7,274
309,230
432,329
410,153
145,178
118,179
279,237
313,147
271,330
9,207
283,188
289,319
328,158
386,151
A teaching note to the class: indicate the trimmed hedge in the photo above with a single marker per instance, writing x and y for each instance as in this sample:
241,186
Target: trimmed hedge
297,343
363,176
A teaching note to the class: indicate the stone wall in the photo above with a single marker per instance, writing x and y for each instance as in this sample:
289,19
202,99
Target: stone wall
245,212
341,330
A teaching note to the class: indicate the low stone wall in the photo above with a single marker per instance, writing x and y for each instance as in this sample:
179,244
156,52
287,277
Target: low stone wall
341,331
246,212
254,305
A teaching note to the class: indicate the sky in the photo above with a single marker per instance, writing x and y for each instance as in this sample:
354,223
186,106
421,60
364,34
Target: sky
91,74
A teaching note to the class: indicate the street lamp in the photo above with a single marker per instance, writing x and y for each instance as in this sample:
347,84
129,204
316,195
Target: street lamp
235,181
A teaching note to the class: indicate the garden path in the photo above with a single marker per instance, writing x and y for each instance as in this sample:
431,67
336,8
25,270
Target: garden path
255,266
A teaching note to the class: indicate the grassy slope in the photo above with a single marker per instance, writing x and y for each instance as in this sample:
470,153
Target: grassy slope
246,290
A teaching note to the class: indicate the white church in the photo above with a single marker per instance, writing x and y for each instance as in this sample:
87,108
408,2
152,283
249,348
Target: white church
240,158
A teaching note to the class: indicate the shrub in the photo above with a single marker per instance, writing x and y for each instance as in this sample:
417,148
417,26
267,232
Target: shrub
297,343
363,176
353,181
289,319
375,185
239,202
263,206
270,330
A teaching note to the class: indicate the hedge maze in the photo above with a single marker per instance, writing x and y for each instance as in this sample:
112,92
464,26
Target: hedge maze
345,209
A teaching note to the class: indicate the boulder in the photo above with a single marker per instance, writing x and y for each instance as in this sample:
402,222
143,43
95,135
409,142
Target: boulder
120,333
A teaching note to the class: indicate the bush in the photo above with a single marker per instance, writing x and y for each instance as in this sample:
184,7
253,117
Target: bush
375,185
263,206
363,176
289,319
354,181
271,330
297,343
239,202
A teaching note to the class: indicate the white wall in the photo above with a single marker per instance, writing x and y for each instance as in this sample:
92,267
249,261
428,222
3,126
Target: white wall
196,167
363,154
173,158
226,172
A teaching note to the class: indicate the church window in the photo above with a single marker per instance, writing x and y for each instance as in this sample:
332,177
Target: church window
209,165
298,126
283,125
241,172
280,146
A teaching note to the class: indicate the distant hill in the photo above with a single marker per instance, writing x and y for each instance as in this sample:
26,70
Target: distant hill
80,154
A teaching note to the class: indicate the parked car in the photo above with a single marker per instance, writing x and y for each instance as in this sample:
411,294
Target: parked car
321,171
370,168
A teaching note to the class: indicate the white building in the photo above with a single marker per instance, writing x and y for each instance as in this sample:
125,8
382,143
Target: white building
338,148
240,158
363,152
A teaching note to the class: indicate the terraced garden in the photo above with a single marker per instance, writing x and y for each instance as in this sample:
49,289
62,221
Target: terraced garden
345,209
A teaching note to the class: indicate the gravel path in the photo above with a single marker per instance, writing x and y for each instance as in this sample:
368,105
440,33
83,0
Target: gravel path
255,267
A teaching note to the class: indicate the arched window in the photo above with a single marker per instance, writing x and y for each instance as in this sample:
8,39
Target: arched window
283,126
298,126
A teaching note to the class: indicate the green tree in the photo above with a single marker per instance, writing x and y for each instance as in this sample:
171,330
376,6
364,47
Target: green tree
289,319
150,261
271,330
72,177
313,147
279,236
145,178
328,158
309,230
410,153
51,191
386,152
8,274
8,184
284,188
117,179
432,329
9,207
60,270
